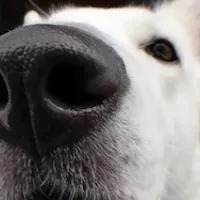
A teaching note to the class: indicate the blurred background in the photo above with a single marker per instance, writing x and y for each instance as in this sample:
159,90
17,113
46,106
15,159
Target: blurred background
12,11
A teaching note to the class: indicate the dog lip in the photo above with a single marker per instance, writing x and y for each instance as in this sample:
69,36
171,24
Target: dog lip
49,195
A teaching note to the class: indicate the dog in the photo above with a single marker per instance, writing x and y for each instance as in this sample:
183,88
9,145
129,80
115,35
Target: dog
102,104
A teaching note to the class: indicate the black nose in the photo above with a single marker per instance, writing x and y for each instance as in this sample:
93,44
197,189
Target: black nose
57,85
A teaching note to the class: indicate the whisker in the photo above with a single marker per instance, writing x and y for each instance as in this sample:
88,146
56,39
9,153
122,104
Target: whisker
37,8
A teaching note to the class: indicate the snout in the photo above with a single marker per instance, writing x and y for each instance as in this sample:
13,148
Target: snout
58,84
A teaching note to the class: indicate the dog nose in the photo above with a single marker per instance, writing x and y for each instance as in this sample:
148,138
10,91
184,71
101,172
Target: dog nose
57,84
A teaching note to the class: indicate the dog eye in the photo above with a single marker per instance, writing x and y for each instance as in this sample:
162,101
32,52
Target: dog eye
163,50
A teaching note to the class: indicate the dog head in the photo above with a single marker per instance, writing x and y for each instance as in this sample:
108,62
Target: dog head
100,104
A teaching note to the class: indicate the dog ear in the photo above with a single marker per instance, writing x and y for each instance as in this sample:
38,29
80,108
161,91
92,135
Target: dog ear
32,17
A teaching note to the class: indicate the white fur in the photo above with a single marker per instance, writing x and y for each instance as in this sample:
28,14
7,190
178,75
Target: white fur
163,101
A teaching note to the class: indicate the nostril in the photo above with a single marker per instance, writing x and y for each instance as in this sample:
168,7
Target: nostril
3,93
67,86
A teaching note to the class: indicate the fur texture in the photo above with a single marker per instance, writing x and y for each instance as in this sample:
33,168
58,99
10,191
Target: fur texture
149,147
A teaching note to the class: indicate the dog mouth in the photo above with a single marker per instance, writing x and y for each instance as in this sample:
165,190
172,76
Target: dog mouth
78,182
78,173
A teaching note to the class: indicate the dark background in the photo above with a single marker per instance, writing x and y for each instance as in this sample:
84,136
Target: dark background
12,11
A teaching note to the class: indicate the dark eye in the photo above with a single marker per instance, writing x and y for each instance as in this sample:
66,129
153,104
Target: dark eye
163,50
